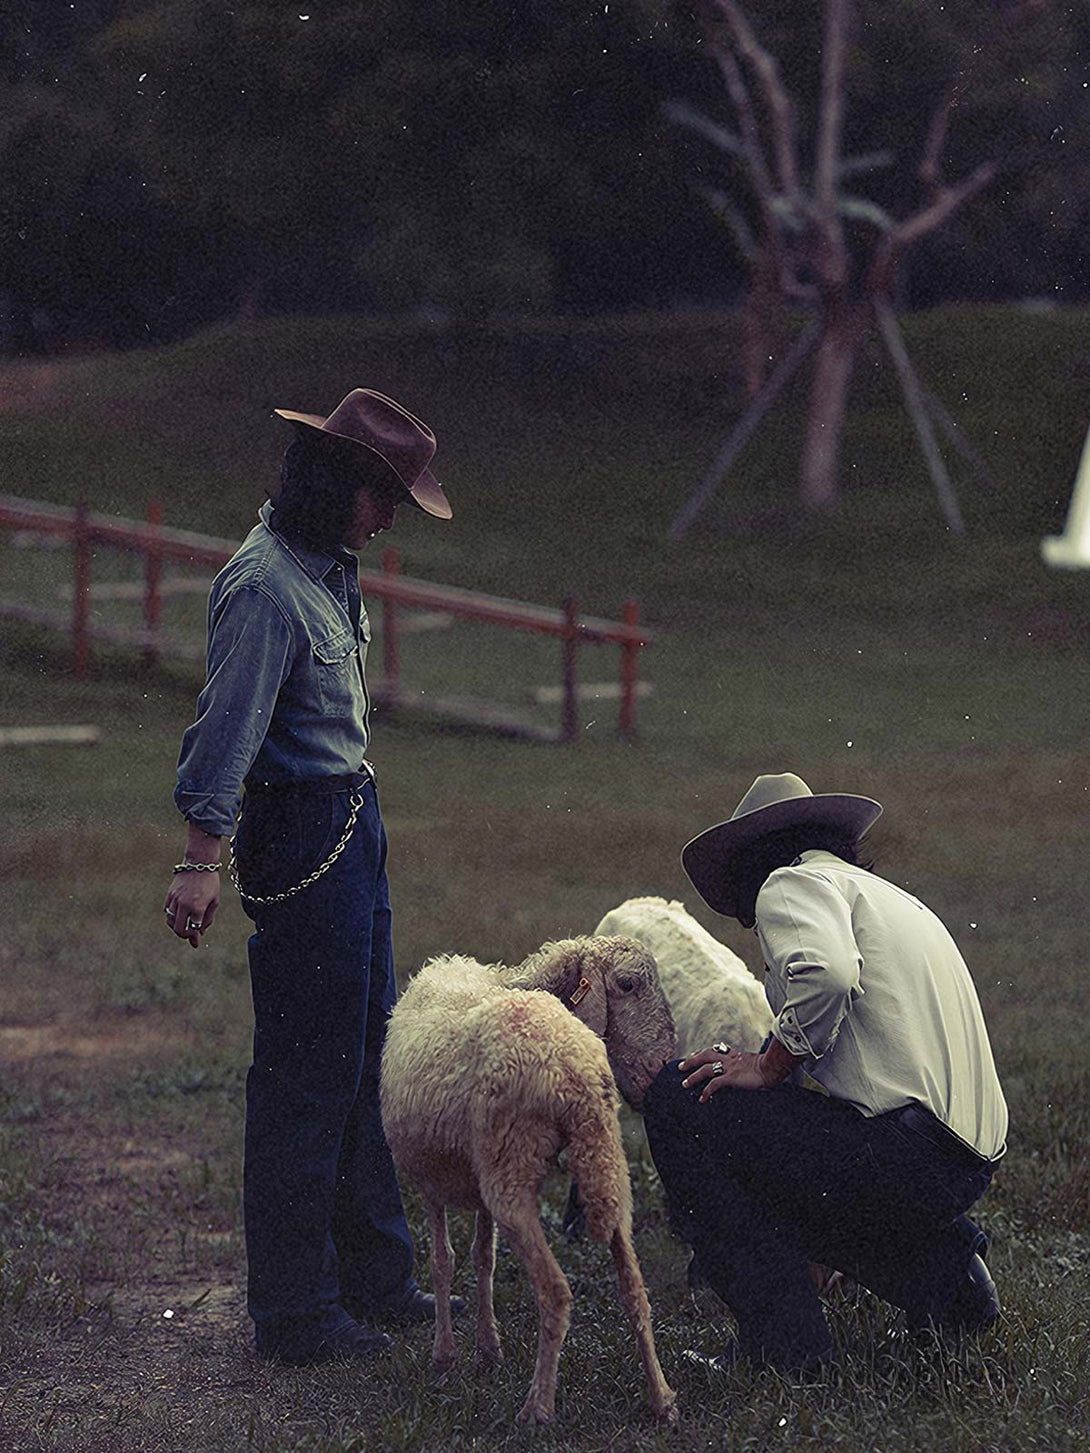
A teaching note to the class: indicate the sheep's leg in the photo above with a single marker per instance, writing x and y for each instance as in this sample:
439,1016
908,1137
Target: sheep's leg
638,1310
484,1264
442,1273
554,1298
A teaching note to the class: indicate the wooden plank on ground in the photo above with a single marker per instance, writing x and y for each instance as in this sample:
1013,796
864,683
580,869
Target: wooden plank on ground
464,712
34,736
112,635
588,691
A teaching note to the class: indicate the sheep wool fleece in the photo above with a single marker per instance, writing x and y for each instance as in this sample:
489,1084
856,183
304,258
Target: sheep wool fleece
473,1078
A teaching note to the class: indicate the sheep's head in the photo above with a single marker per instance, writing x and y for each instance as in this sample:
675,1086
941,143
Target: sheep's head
612,985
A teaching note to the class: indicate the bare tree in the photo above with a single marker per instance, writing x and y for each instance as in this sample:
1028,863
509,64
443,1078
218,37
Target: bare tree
800,251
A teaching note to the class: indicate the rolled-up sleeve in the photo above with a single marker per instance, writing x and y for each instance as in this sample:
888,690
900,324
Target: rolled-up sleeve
805,928
249,658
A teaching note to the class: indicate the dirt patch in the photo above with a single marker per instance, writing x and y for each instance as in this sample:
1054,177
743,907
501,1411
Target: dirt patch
125,1037
153,1317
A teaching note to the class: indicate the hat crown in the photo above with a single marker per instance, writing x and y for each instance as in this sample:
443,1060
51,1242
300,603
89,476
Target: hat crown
775,802
769,789
370,418
366,419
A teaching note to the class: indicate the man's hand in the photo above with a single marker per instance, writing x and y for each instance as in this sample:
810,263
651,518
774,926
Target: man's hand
193,897
721,1068
191,903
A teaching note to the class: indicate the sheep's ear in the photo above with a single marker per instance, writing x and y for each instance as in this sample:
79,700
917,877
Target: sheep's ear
587,1001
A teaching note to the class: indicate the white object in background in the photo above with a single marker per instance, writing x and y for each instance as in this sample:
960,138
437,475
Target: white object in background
1072,548
34,736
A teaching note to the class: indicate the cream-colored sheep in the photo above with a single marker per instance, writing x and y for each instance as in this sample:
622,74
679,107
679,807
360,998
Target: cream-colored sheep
487,1074
711,993
712,997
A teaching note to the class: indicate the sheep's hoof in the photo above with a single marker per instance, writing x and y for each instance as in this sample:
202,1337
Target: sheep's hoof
669,1413
534,1412
489,1354
443,1358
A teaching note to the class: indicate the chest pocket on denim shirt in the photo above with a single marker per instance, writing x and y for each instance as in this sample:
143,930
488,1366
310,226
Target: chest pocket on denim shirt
338,674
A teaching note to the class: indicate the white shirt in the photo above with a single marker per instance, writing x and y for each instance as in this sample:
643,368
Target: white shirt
867,982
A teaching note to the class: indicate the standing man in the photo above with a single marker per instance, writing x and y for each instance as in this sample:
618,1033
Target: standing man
284,714
874,1001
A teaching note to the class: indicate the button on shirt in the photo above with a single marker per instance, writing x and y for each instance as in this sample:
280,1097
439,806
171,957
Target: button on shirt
286,696
867,982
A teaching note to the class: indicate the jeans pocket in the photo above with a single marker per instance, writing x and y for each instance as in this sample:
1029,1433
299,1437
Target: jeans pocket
940,1190
281,839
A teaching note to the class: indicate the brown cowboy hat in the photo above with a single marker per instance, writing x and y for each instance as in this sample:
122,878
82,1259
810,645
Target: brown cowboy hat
368,420
775,801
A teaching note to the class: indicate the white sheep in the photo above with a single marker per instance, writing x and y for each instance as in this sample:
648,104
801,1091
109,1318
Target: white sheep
712,997
711,993
487,1073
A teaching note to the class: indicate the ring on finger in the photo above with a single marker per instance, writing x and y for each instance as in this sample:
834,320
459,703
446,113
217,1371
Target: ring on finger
171,915
191,926
721,1048
717,1067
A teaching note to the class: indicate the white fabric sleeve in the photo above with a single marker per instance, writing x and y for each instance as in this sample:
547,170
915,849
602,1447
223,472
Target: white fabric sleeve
805,927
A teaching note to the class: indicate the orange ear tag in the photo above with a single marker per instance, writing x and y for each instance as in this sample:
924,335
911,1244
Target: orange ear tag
580,993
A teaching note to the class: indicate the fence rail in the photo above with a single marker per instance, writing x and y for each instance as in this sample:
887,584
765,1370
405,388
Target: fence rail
84,528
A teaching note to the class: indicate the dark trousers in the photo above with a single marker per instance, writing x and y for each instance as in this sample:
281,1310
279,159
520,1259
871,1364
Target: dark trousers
324,1220
763,1182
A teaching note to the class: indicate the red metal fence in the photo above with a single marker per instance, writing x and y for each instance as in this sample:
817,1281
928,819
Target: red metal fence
85,528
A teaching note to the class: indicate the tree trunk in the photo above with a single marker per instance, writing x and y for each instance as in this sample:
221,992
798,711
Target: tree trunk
819,475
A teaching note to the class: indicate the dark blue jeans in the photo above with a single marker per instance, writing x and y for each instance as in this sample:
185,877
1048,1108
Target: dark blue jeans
324,1220
763,1182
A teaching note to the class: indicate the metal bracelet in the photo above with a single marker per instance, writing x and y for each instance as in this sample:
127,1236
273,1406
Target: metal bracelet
232,867
197,867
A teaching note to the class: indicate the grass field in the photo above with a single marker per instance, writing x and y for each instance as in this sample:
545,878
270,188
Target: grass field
949,678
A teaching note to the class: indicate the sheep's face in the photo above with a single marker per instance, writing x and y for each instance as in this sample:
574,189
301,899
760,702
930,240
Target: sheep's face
639,1030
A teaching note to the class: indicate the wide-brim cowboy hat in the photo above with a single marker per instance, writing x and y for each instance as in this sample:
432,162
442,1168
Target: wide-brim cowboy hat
365,419
774,802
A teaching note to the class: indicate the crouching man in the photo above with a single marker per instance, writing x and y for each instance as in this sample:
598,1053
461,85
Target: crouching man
873,999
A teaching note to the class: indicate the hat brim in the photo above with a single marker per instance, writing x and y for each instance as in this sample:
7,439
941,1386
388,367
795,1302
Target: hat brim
425,491
712,858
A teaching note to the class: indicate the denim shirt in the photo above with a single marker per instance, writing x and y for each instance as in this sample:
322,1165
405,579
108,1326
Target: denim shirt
285,696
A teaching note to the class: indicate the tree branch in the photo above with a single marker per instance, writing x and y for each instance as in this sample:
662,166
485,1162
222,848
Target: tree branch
912,392
909,231
743,431
781,115
930,167
747,123
831,114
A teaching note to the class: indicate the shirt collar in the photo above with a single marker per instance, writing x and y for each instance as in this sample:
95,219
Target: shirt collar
317,562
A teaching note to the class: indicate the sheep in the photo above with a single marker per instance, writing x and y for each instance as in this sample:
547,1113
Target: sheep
711,993
487,1073
712,996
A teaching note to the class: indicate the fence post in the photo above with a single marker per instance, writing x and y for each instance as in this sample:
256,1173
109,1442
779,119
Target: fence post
391,643
569,725
81,590
630,665
153,569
